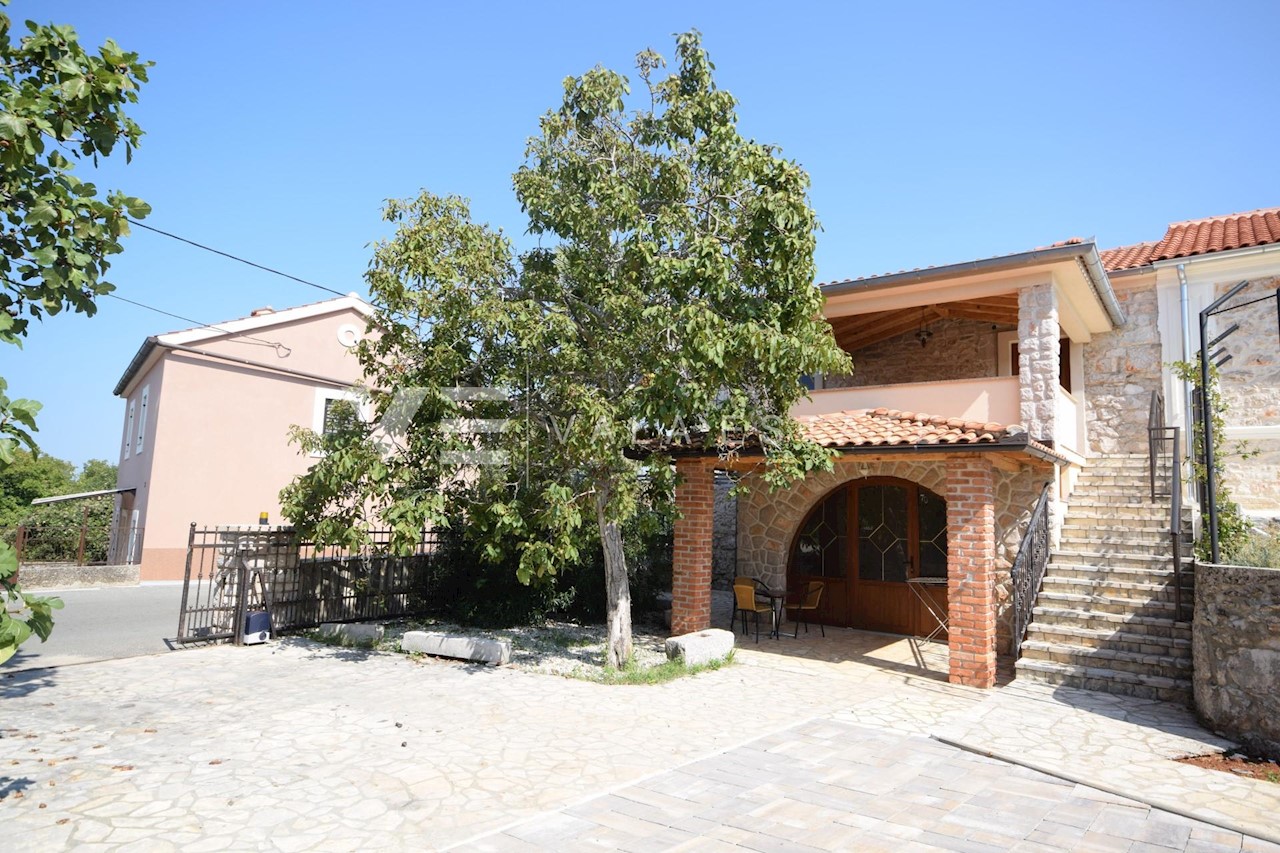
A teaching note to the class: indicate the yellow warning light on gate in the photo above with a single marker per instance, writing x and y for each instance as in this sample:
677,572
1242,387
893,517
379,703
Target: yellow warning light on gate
262,518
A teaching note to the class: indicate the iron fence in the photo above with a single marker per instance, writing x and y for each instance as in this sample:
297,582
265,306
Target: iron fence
233,572
1028,569
83,544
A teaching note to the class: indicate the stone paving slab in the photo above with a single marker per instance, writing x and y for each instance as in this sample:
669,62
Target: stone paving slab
1119,743
298,746
828,785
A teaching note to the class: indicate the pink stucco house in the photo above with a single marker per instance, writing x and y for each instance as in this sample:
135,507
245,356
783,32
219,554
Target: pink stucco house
207,417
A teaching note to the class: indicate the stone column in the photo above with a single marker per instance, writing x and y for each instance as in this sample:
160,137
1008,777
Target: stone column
971,570
691,554
1038,370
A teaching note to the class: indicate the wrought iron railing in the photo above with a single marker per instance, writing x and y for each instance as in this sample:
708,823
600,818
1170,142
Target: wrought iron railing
1028,568
1164,448
233,571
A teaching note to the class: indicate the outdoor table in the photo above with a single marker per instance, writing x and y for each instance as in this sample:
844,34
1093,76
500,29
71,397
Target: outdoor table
777,599
940,616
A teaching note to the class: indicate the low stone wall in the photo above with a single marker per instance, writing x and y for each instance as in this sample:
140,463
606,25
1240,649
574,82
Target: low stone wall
1236,648
70,576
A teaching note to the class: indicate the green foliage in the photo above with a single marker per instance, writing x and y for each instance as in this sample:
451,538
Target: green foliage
472,589
670,298
1233,527
631,673
58,104
30,476
21,614
1260,547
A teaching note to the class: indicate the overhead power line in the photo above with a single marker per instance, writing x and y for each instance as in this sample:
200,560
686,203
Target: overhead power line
278,346
238,258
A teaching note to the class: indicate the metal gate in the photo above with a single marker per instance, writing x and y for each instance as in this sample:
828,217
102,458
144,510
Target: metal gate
236,571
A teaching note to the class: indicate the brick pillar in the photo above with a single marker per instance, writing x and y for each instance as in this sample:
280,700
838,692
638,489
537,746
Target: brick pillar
1038,371
971,570
691,556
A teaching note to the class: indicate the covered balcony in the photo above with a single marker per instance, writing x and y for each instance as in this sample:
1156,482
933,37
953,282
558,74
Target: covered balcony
997,341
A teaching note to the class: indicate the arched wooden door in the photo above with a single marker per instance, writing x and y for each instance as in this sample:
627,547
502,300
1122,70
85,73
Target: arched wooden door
863,541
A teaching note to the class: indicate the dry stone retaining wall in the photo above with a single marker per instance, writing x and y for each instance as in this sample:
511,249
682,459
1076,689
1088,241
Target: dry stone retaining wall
1236,650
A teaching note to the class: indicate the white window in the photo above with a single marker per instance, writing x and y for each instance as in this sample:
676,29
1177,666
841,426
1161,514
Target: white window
331,406
128,429
142,419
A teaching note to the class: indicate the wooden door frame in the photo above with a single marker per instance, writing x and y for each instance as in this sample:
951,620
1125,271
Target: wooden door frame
852,579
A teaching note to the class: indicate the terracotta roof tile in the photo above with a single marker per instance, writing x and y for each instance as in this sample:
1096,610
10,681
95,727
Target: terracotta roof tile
891,427
1127,257
1219,234
1200,237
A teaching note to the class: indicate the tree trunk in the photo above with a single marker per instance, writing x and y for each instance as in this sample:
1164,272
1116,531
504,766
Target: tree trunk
616,585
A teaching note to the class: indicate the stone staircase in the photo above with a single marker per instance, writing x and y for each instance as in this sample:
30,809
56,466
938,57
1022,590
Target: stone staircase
1104,618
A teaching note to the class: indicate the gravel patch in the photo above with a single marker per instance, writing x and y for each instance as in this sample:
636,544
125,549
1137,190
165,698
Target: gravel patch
552,648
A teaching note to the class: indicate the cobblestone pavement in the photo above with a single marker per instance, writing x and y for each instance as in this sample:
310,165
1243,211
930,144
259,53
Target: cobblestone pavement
295,746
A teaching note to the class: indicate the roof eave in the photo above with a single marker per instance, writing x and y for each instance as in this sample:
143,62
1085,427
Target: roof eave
139,358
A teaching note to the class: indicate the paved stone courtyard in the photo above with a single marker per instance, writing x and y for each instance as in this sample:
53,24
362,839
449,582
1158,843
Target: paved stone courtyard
808,744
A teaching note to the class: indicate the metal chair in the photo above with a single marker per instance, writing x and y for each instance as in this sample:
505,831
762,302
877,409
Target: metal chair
808,604
744,599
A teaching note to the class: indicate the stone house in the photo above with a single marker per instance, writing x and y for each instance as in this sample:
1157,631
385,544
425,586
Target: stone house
977,388
207,418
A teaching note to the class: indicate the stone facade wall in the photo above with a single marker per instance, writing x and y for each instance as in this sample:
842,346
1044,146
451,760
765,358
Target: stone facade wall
724,548
768,522
1235,641
1121,369
1038,336
959,349
1250,385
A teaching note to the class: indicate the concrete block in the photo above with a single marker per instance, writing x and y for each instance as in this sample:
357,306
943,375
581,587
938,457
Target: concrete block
494,652
359,632
701,647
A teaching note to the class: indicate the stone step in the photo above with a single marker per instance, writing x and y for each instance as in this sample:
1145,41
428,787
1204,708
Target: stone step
1109,588
1165,666
1116,547
1154,520
1155,626
1107,680
1163,577
1136,502
1109,638
1105,604
1135,492
1137,479
1120,535
1116,559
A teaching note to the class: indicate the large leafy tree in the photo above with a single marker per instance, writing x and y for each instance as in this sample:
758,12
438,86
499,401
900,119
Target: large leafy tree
671,297
58,104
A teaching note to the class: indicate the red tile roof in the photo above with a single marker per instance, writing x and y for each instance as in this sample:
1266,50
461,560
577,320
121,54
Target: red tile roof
1200,237
1127,257
890,427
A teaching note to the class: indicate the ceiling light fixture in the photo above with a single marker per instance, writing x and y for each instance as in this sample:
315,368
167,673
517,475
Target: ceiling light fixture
922,334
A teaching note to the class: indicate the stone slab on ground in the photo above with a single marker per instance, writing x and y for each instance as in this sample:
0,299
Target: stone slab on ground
478,649
359,632
701,647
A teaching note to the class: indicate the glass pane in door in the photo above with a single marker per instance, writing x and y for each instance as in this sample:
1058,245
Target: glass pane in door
932,513
882,533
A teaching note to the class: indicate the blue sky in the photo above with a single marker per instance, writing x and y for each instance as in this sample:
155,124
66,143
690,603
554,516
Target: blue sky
933,132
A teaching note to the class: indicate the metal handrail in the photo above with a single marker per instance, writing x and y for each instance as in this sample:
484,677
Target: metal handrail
1158,434
1029,567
